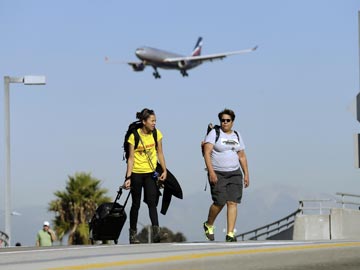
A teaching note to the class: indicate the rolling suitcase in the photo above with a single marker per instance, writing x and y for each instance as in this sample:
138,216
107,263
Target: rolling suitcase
108,220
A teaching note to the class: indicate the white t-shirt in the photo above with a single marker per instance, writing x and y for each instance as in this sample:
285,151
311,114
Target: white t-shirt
224,155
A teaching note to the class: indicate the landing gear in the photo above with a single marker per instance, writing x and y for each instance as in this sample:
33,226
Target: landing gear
156,73
184,73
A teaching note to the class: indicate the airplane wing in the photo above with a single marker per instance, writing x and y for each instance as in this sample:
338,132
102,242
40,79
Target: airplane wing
208,57
137,66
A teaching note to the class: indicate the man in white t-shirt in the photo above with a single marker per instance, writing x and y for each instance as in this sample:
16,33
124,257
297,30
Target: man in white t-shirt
225,159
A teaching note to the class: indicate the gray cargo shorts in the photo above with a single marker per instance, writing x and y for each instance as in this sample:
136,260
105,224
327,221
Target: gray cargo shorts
228,188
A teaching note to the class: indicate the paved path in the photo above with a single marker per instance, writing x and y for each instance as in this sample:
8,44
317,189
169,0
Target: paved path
189,256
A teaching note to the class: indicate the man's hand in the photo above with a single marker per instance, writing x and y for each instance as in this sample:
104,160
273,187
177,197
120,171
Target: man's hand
246,181
213,178
52,235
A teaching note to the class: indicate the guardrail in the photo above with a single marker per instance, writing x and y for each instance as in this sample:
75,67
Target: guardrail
270,229
344,203
4,239
318,207
280,225
324,205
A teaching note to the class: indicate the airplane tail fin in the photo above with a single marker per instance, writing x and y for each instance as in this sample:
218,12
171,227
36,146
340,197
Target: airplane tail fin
197,49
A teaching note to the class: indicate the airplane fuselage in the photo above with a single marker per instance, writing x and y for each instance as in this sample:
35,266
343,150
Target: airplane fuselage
156,58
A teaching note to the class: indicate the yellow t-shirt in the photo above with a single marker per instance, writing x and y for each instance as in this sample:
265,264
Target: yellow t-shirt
141,160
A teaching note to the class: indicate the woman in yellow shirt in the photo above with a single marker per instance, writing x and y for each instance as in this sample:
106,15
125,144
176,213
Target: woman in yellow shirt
140,173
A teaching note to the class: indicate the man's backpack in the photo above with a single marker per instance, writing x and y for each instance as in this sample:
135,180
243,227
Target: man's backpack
132,129
217,131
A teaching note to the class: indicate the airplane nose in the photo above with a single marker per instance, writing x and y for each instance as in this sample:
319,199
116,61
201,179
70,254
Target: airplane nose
139,51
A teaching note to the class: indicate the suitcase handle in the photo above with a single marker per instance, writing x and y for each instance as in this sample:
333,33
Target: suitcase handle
118,194
118,197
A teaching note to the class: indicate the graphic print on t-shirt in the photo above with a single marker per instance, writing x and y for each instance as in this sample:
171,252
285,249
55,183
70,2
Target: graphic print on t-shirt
225,141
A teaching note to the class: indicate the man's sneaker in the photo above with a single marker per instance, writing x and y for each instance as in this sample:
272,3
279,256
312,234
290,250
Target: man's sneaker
209,231
230,238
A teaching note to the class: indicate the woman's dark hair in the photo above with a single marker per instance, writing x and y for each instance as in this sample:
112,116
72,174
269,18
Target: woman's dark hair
228,112
144,114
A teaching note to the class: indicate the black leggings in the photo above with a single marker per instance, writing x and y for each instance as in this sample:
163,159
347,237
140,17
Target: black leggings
139,181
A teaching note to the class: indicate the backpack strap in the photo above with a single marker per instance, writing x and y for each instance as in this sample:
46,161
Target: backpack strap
137,137
237,134
154,132
209,128
217,131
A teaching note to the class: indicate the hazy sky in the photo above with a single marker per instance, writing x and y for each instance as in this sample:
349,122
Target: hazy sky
291,96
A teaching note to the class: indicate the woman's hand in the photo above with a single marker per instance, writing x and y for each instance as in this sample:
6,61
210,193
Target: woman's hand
127,184
163,176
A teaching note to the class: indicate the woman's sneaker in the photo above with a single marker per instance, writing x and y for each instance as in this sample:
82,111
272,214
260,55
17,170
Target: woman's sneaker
209,231
133,237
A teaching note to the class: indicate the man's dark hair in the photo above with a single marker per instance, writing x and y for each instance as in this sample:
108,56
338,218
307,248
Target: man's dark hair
228,112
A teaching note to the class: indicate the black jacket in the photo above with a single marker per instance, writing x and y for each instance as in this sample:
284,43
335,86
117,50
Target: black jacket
171,188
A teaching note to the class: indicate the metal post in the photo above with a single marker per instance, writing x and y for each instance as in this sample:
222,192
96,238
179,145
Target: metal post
27,80
149,234
7,158
321,209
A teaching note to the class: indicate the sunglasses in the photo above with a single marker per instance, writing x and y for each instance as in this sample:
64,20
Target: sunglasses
225,120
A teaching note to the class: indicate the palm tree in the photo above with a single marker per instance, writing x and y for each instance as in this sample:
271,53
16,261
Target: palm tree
75,206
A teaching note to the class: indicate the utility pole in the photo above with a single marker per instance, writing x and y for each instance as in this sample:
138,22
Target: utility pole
357,107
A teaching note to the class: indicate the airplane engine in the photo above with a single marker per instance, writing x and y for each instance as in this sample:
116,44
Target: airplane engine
138,66
183,64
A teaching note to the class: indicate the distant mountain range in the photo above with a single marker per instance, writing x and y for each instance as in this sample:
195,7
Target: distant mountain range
259,207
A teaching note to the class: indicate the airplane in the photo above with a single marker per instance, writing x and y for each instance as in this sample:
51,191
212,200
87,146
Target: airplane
167,60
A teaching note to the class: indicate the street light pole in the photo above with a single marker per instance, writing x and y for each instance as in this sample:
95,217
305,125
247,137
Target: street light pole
27,80
7,157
